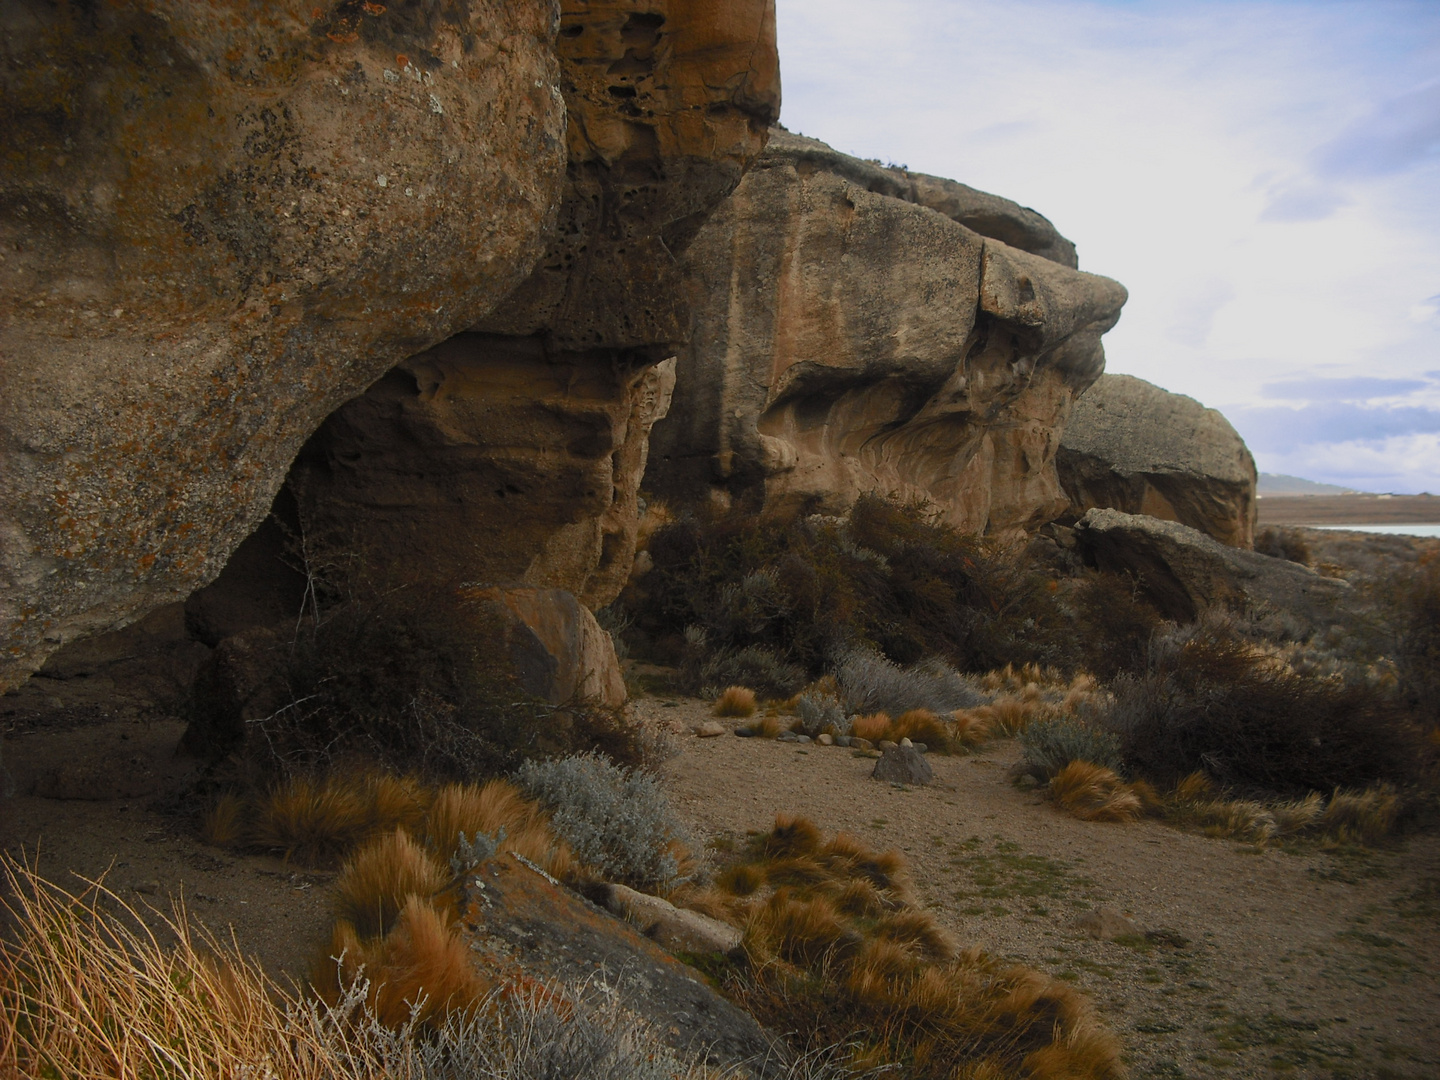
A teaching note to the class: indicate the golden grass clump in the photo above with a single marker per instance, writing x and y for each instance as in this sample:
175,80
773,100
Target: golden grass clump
874,727
1094,793
968,727
488,808
378,880
224,822
735,701
1364,817
313,822
836,945
921,725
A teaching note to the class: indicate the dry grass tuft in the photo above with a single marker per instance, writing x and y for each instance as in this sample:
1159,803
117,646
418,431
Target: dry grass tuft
836,946
874,727
735,701
474,809
422,969
968,727
921,725
1195,786
1094,793
310,821
377,882
1364,817
224,821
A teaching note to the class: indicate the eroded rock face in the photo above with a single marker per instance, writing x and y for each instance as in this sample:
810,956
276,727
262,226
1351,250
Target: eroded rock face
488,459
847,338
1134,447
218,224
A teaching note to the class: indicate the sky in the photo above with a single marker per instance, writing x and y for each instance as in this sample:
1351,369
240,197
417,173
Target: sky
1264,177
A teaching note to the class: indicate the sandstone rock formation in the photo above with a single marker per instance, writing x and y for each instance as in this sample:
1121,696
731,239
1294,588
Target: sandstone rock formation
1132,446
854,330
216,229
1183,572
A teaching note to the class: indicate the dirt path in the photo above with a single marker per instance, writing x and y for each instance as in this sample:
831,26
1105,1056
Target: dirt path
1296,964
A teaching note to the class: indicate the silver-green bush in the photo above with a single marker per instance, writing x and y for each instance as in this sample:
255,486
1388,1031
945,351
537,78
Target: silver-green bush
870,683
1052,744
616,820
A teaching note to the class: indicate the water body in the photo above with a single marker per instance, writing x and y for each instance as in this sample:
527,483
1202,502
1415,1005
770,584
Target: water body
1393,530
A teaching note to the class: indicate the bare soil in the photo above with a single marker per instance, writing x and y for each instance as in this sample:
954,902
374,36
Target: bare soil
1261,962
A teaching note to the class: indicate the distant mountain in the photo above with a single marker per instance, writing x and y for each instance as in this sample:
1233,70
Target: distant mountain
1280,484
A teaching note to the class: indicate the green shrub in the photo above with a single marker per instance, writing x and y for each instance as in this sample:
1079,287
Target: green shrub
756,667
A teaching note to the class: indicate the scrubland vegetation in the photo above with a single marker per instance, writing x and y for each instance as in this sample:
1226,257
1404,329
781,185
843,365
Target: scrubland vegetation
398,751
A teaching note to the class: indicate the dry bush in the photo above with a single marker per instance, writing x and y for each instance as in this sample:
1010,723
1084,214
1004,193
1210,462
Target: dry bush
735,701
489,809
1289,544
1365,817
225,822
1211,700
838,950
1092,792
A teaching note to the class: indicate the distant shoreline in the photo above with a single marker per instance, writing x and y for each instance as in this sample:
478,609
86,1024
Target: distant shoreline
1349,510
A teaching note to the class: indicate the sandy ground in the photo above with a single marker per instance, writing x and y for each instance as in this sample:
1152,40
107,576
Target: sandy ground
1293,964
1297,964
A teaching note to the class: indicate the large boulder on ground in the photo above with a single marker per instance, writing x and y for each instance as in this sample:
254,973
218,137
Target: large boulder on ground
1132,446
1183,572
558,651
523,927
850,335
217,228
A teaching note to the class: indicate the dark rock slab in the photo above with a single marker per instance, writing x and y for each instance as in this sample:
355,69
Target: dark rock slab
903,765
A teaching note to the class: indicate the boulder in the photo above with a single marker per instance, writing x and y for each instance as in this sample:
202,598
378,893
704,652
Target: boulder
218,228
558,651
846,338
1132,446
521,926
903,765
1182,571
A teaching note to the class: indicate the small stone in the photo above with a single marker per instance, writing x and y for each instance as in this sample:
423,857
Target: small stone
1026,782
1106,924
906,742
149,888
844,740
788,736
888,744
802,738
903,765
920,748
825,739
745,732
861,744
709,729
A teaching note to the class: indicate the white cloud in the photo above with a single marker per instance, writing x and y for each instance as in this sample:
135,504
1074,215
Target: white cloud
1262,176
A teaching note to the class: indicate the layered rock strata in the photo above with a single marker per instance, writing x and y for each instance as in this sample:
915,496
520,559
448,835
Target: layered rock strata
216,228
854,332
1134,447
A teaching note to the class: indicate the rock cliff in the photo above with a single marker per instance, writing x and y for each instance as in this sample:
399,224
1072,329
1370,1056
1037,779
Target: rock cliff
219,228
859,329
1134,447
